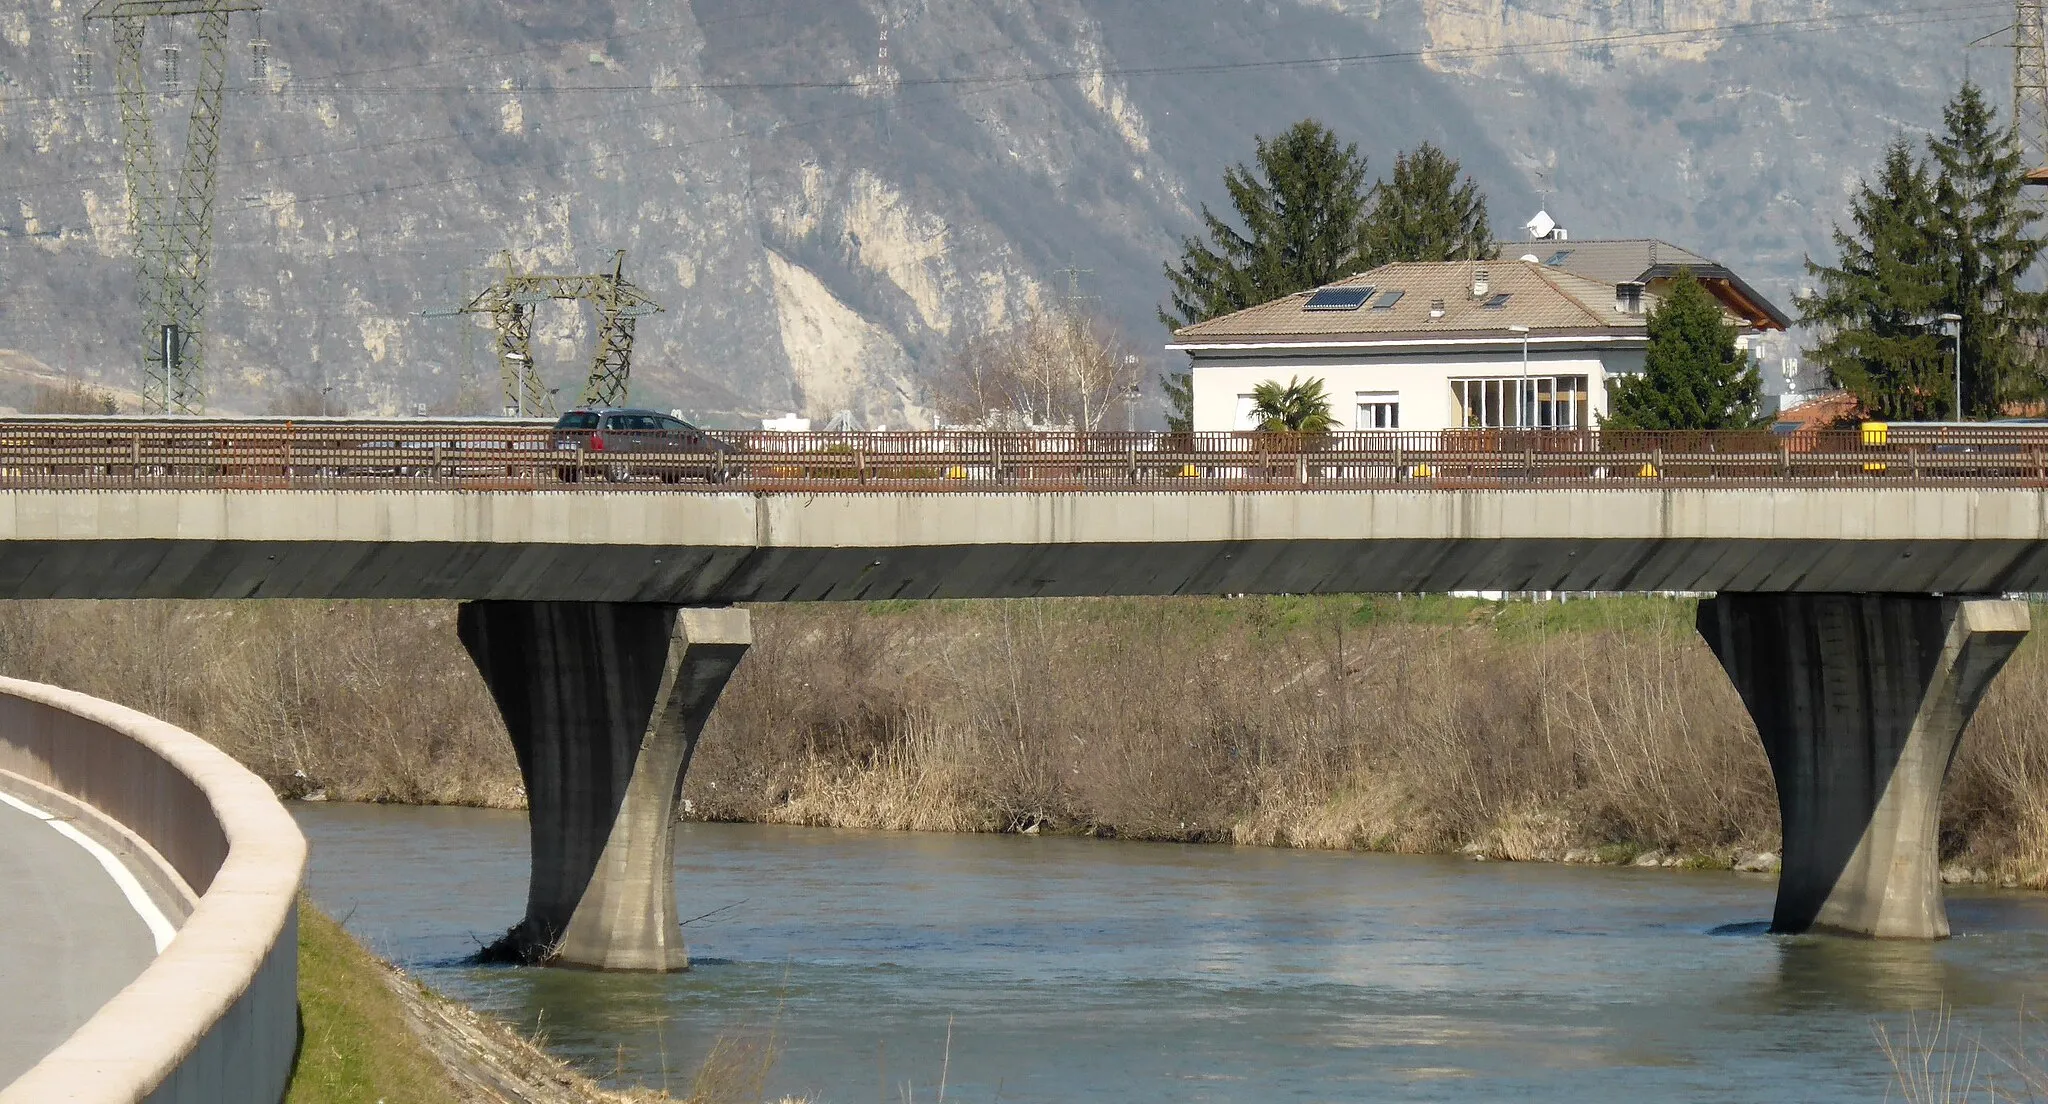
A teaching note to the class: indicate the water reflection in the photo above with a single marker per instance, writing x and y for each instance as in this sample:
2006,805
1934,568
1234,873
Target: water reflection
1088,971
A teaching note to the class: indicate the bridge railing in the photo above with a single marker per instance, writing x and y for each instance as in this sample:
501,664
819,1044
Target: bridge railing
479,455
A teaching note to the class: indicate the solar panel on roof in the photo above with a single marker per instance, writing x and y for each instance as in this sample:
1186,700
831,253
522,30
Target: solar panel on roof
1388,300
1349,298
1497,302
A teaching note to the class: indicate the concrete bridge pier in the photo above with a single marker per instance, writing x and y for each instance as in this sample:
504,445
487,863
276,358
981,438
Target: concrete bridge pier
1861,700
604,701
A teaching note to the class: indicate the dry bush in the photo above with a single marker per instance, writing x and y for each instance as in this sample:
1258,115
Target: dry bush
1047,368
1337,723
363,700
1418,725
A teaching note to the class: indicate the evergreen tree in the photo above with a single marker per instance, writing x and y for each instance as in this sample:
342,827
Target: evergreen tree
1990,238
1303,210
1693,375
1426,214
1179,388
1875,305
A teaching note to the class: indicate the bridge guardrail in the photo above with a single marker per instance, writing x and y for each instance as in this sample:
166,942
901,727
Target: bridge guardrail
215,1016
524,456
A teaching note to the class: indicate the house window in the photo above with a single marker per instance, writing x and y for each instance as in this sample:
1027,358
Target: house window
1517,402
1378,410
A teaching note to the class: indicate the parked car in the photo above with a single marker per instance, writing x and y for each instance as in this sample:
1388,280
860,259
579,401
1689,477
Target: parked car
621,444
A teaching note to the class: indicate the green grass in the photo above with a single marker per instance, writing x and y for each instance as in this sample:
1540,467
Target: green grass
356,1047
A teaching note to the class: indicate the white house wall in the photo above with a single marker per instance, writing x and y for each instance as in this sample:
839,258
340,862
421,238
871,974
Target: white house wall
1422,380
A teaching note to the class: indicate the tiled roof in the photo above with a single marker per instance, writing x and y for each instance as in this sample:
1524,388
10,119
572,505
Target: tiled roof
1609,261
1537,297
1820,412
1615,260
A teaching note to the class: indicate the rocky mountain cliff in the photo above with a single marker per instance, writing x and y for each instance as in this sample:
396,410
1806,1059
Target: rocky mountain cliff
827,194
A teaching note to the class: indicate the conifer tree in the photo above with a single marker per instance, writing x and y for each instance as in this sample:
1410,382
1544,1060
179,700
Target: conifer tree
1303,210
1425,213
1693,375
1179,389
1876,304
1991,241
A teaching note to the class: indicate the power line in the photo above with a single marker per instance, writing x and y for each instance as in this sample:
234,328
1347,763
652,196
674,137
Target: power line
1625,40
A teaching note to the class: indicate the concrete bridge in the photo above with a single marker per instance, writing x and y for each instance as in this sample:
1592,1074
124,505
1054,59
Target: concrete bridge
1859,611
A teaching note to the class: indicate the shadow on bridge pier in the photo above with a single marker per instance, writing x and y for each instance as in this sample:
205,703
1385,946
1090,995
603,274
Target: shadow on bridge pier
1861,701
604,702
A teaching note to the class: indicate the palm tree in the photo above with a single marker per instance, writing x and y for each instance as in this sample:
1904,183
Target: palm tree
1296,408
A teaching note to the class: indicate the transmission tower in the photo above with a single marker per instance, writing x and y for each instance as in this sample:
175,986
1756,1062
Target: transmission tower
2030,88
620,304
172,220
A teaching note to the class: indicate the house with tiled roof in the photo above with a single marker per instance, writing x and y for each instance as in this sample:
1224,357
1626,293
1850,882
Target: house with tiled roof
1654,264
1489,344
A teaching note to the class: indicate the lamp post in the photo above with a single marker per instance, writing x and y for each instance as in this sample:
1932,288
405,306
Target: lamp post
1523,407
1952,325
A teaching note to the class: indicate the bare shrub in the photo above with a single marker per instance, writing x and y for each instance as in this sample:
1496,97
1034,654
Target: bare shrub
70,396
1048,368
362,700
1417,725
1340,722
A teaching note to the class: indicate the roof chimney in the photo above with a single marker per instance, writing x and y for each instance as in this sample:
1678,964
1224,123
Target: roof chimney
1436,309
1479,283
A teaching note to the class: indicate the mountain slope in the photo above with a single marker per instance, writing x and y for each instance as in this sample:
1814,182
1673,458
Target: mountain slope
827,194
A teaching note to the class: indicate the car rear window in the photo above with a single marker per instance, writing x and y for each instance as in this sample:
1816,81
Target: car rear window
577,419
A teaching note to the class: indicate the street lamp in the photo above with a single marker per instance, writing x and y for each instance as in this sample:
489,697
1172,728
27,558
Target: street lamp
1522,397
1952,325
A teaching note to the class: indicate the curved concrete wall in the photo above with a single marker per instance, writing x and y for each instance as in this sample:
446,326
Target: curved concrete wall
215,1016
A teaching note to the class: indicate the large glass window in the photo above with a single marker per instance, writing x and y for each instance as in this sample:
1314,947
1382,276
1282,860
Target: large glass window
1518,402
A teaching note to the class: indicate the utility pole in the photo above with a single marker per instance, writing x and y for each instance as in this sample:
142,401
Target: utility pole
172,220
2030,88
620,304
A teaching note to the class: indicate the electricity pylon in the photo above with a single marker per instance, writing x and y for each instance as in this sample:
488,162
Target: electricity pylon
172,222
2030,88
620,305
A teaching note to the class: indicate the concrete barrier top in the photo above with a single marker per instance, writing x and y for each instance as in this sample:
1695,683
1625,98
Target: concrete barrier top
139,1042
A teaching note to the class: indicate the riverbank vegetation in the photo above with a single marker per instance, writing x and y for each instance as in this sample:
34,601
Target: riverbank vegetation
355,1043
370,1032
1588,729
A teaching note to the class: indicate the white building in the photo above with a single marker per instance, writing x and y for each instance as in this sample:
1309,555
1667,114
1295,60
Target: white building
1427,346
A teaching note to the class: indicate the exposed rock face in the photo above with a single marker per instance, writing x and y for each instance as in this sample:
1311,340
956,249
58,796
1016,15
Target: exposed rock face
826,193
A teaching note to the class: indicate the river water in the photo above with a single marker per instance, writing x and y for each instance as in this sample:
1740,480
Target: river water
1084,970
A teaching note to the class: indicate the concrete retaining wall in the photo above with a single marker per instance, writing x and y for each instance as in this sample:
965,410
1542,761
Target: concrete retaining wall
215,1017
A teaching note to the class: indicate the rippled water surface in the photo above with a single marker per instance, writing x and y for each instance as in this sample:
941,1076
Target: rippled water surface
1082,970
